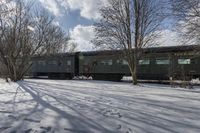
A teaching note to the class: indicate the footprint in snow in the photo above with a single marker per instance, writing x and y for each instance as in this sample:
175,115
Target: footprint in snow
119,127
46,129
28,131
3,128
31,120
6,112
129,131
111,112
13,117
74,130
13,131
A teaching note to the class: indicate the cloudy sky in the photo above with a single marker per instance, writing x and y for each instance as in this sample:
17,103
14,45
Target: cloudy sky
78,16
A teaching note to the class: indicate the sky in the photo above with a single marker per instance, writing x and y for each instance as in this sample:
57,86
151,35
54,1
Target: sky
78,16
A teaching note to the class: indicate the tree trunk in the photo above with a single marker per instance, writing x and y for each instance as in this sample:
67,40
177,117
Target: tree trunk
135,59
134,76
133,69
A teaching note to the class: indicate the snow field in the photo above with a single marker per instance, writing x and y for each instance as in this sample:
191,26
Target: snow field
87,106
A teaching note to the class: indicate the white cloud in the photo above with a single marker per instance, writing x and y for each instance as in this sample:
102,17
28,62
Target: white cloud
57,7
169,38
82,36
88,8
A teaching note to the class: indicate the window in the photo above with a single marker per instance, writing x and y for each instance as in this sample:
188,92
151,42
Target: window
103,62
109,62
119,61
125,62
184,61
69,63
162,61
106,62
53,62
144,62
42,63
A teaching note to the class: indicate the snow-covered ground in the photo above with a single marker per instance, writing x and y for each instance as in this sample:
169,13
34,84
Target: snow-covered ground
86,106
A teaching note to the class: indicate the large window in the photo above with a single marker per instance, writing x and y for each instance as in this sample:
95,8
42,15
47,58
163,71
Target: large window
42,63
53,62
119,61
124,62
184,61
162,61
106,62
109,62
144,62
69,63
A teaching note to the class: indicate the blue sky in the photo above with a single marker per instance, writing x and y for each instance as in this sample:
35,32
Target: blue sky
73,18
78,16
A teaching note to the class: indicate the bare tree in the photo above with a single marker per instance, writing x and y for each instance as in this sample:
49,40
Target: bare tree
71,47
54,38
23,35
5,8
128,24
187,14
